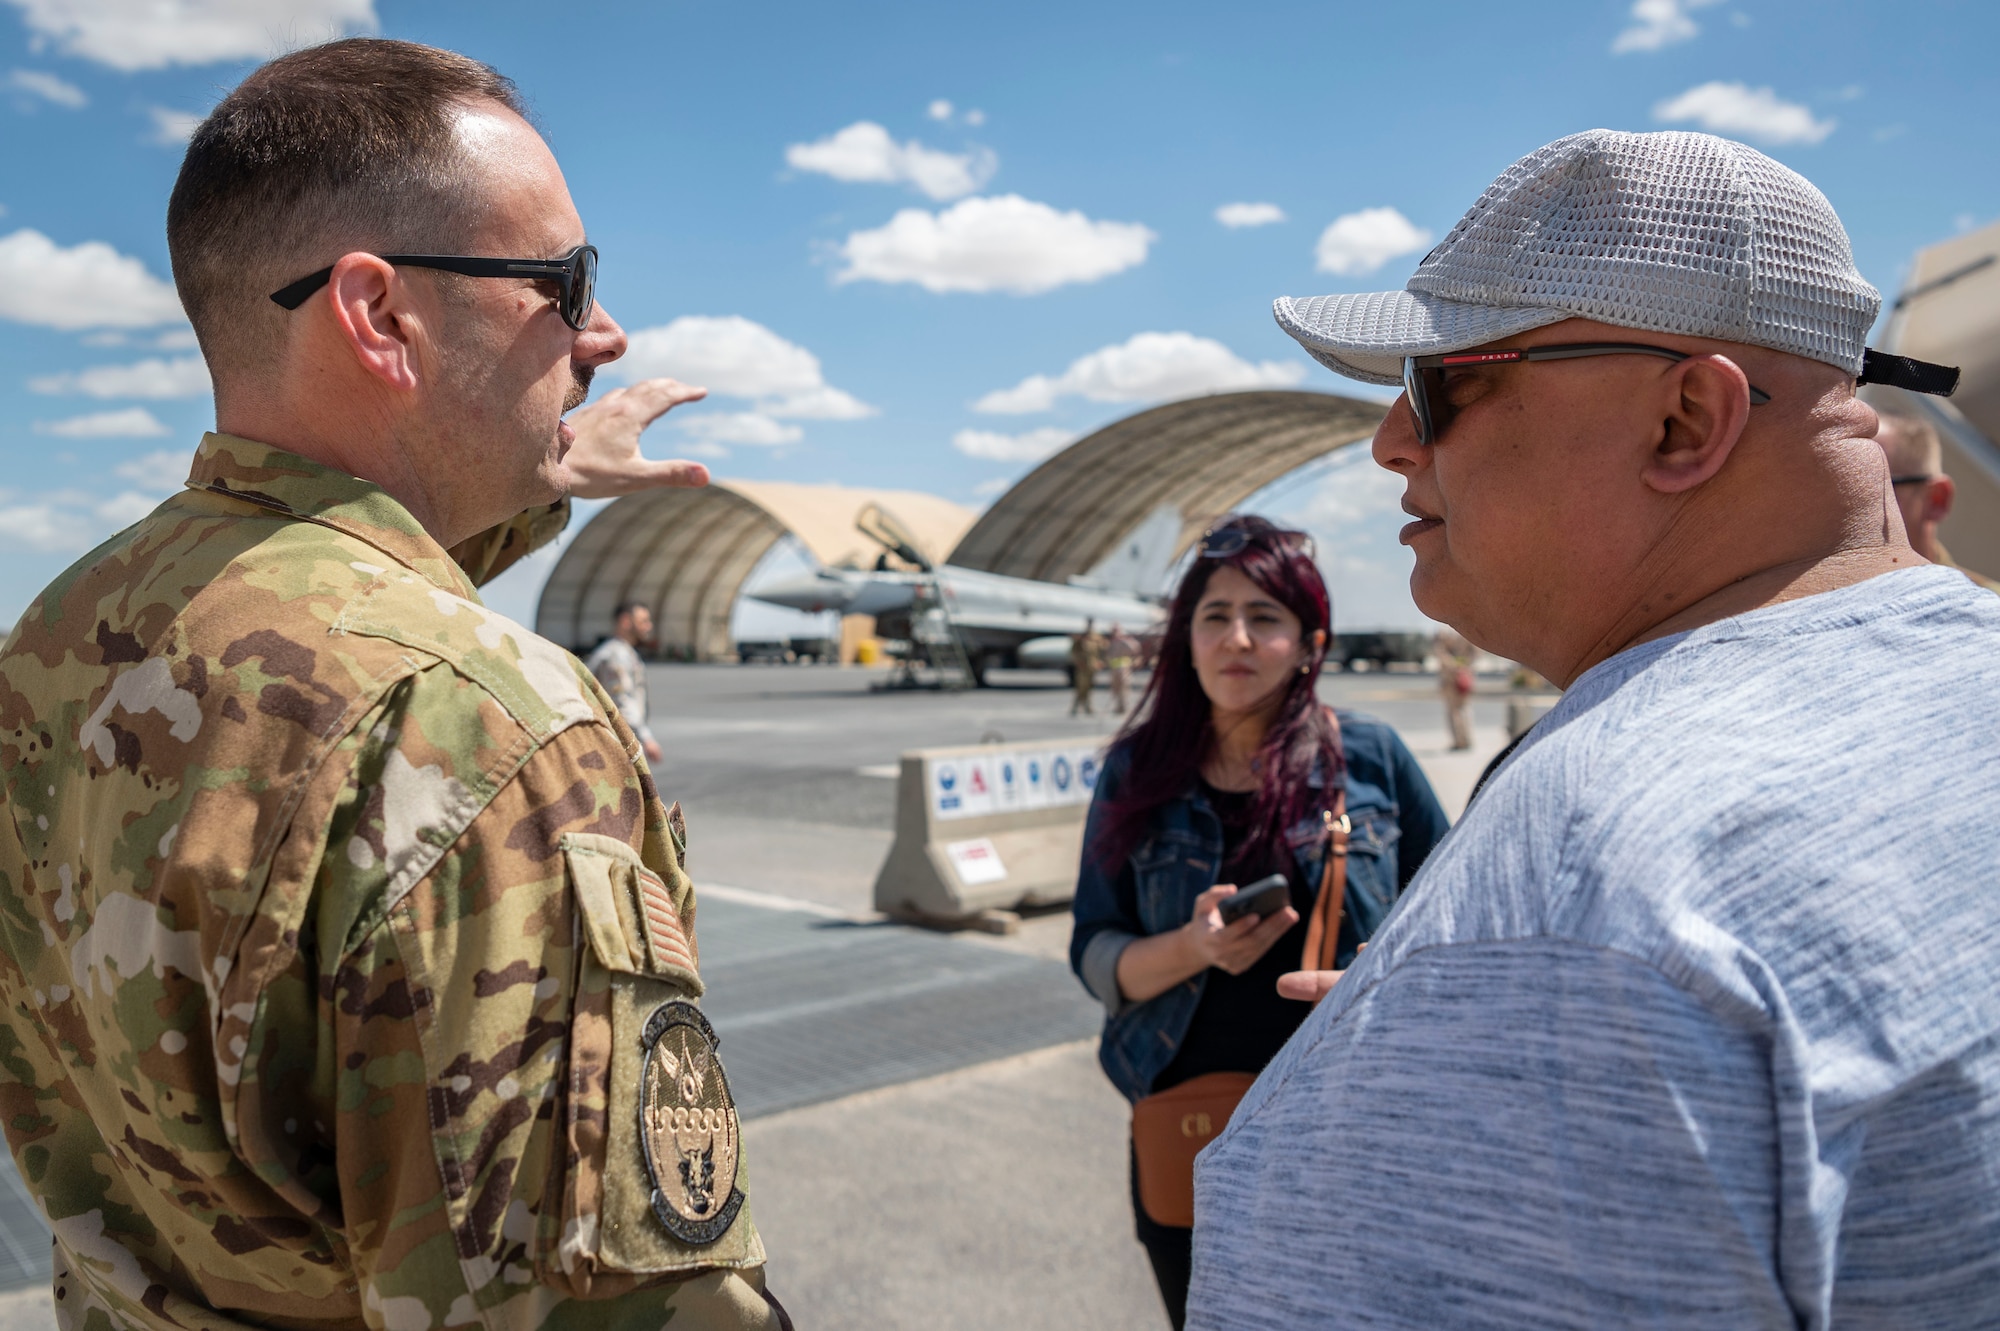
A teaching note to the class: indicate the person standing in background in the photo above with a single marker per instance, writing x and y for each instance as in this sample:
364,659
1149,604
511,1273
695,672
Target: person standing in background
1119,650
622,672
1454,658
1924,493
1086,654
1231,770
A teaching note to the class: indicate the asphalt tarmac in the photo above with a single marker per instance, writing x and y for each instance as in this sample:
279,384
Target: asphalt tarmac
930,1140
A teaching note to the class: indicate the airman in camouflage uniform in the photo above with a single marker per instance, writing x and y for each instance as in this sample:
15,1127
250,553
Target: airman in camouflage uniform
347,959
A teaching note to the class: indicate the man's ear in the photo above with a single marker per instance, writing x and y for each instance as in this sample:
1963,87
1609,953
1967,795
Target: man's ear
1939,491
1703,424
371,309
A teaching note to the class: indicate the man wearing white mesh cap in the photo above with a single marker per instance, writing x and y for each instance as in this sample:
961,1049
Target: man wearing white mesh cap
1691,1022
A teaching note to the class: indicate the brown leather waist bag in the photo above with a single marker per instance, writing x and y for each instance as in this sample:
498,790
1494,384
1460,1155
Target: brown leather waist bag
1170,1128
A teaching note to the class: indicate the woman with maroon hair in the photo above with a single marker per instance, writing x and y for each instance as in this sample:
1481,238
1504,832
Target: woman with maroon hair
1231,771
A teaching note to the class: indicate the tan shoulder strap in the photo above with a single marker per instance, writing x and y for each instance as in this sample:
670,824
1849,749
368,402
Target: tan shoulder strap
1323,927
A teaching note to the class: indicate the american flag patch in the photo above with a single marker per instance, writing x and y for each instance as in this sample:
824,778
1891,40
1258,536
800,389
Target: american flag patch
666,942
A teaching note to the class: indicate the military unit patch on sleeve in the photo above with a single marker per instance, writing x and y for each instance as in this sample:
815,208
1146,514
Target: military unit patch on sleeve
688,1125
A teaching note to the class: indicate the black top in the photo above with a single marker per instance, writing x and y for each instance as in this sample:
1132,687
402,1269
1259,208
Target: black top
1241,1022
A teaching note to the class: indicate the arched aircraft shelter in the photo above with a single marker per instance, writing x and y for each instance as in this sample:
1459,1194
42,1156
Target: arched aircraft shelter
1204,456
687,553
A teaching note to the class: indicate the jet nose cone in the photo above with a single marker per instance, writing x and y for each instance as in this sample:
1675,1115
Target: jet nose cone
811,594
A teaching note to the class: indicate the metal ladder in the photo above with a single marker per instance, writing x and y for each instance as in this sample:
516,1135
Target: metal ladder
933,633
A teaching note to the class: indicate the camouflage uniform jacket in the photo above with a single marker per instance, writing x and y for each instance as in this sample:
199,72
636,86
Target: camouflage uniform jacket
345,950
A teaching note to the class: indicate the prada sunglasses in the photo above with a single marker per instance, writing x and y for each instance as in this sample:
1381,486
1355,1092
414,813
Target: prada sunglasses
575,276
1232,538
1424,376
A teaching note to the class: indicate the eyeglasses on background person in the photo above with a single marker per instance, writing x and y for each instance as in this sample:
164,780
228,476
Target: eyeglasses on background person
575,274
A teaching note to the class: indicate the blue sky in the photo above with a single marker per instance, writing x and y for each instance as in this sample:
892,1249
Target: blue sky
919,244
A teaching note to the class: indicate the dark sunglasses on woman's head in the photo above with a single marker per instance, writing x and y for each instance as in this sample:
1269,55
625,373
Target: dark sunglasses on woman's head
1423,376
575,275
1234,537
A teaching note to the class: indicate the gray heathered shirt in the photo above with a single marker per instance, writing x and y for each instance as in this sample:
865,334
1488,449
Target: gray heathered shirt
1691,1022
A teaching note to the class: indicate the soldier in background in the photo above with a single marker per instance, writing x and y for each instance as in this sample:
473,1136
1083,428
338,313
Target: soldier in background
1454,657
1086,656
1923,492
1120,649
618,668
346,972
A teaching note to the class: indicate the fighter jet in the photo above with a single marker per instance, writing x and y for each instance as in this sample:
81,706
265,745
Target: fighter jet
997,620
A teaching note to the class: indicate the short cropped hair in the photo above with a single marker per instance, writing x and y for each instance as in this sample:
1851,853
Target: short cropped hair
627,607
350,145
1911,443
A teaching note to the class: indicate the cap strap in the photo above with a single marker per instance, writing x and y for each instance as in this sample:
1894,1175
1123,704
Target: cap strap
1917,376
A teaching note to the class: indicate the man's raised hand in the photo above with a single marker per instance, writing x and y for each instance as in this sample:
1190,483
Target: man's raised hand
605,461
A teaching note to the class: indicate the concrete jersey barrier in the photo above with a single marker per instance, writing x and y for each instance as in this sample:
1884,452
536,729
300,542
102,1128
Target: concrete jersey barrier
987,826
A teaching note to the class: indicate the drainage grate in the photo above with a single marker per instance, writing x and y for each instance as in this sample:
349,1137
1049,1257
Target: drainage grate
811,1009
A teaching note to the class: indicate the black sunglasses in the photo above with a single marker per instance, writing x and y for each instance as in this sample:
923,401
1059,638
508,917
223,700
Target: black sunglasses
575,274
1232,538
1423,376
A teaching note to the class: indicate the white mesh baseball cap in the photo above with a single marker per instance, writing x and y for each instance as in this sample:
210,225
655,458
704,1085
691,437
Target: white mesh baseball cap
1672,232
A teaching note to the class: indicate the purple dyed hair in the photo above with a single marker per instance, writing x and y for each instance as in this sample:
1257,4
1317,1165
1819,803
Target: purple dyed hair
1170,733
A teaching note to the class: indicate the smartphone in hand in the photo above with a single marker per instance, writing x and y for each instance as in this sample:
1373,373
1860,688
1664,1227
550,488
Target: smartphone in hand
1266,896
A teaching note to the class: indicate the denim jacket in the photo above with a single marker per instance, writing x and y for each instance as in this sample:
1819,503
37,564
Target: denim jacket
1396,820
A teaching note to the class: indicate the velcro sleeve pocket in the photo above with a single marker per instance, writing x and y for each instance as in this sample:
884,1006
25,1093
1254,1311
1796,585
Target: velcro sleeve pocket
656,1178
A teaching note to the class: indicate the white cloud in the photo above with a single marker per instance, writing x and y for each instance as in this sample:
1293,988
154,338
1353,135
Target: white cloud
131,423
1738,110
739,427
998,485
1005,243
975,117
865,152
173,128
66,521
1364,241
46,527
47,87
1029,446
1238,215
147,34
1658,23
86,286
160,472
122,510
176,339
1149,367
732,356
939,110
183,376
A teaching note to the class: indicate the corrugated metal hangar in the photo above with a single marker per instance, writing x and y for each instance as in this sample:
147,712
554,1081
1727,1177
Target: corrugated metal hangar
688,553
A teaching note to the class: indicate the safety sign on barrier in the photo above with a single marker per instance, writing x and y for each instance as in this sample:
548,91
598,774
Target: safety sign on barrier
1011,780
976,861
